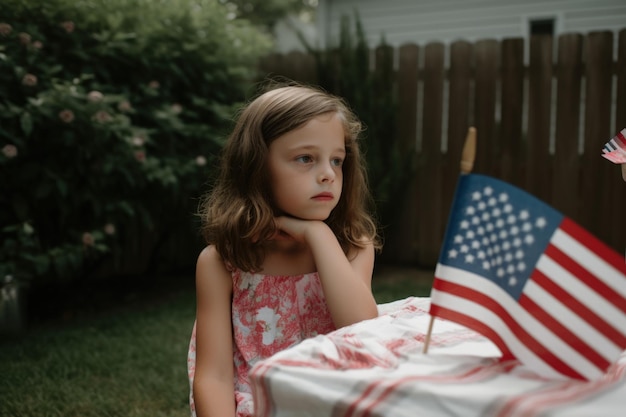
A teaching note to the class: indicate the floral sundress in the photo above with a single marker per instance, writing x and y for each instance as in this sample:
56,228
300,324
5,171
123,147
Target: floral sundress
269,313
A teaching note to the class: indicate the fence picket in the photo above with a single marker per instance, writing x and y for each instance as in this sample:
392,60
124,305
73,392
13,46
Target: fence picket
487,61
540,99
512,152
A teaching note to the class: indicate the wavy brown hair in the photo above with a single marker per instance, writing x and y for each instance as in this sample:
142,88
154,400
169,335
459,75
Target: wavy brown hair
238,215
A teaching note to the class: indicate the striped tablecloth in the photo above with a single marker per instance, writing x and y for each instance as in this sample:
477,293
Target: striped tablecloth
376,368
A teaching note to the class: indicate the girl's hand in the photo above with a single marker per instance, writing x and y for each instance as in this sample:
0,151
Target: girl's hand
291,228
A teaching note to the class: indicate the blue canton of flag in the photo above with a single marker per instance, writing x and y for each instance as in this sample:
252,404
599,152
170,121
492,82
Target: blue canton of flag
544,290
499,233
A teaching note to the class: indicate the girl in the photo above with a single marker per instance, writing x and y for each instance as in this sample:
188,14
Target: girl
290,243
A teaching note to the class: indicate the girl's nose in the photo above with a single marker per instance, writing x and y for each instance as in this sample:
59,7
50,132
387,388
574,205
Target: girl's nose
327,173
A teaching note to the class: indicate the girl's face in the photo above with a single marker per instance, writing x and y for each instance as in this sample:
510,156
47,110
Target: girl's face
305,168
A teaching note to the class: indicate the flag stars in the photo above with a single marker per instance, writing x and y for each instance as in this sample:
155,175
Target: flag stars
492,235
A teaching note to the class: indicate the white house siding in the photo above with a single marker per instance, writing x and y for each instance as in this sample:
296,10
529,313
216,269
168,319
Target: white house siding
423,21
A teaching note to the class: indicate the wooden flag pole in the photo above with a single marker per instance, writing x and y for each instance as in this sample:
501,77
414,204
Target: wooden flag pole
467,164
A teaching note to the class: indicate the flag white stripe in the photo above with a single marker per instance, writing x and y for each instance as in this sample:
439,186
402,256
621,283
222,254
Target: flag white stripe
539,331
569,283
520,351
590,261
572,321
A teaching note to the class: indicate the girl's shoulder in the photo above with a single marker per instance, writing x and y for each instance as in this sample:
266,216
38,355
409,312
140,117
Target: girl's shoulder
210,257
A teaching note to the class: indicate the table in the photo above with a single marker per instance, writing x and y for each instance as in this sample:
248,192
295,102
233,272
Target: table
377,368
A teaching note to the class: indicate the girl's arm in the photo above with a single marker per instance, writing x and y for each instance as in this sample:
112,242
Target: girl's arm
213,386
347,282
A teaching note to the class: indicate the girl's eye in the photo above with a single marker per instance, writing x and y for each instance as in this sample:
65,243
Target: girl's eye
304,159
337,162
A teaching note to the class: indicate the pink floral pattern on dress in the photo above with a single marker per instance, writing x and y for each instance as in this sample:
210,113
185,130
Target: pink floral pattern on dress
269,314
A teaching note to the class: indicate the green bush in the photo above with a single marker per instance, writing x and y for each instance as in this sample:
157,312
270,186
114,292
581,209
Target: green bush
111,112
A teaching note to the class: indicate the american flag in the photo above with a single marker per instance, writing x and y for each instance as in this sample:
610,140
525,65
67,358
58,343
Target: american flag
615,149
542,288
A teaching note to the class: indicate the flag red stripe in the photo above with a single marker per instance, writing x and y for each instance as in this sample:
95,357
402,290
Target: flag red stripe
594,244
522,335
583,275
621,138
563,332
472,323
579,308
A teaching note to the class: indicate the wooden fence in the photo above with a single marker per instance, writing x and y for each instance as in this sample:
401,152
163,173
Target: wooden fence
542,120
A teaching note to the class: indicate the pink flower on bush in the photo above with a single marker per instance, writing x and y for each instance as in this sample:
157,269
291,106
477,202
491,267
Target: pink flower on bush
124,106
109,229
5,29
10,151
37,45
95,96
24,38
66,116
29,80
68,25
154,84
88,239
137,141
140,156
200,160
102,117
176,108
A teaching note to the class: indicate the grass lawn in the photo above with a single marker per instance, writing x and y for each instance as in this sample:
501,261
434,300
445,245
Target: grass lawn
126,361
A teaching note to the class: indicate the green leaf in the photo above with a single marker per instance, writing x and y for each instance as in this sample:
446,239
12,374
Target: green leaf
26,121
